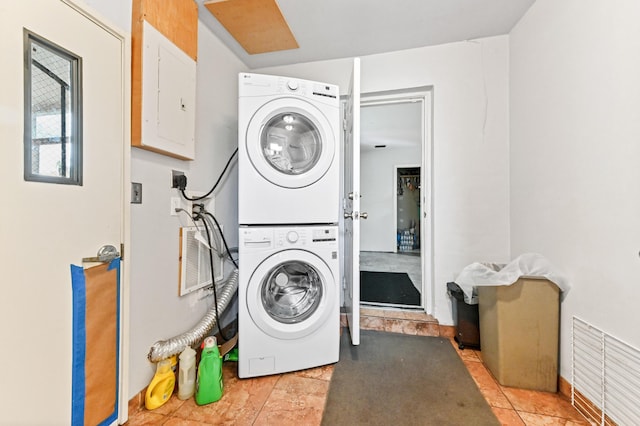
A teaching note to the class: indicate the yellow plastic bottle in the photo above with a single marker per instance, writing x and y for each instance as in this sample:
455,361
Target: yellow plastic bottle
161,386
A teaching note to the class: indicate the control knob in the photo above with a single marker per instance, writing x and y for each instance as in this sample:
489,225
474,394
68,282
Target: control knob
292,236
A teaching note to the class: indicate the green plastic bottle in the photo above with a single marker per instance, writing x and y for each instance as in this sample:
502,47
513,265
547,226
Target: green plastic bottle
209,384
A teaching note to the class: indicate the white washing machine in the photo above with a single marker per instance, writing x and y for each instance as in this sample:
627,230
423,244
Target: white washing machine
288,143
288,300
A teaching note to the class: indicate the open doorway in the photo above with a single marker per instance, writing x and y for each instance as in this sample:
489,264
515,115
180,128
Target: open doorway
392,165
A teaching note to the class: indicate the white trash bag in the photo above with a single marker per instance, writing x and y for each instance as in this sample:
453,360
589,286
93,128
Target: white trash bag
531,265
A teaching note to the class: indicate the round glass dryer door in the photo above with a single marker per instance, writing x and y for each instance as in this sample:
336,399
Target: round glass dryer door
290,294
290,143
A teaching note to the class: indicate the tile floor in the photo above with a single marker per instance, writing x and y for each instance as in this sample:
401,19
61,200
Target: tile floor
298,398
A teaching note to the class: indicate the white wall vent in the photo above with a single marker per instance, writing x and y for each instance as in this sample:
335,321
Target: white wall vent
605,376
195,271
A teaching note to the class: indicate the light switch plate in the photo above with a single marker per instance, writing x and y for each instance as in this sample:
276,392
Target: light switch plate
136,193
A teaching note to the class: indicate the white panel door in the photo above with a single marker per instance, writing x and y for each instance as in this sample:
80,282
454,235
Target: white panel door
46,227
352,204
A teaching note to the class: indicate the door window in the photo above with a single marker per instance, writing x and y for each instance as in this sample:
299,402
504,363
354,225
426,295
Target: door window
52,137
291,292
291,143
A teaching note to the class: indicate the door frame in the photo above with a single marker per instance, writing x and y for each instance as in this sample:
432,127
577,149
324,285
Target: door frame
424,95
125,182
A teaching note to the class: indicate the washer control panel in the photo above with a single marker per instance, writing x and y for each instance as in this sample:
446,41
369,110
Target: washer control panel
298,236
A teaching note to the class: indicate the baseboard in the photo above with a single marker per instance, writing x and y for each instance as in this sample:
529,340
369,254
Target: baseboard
564,387
586,407
137,402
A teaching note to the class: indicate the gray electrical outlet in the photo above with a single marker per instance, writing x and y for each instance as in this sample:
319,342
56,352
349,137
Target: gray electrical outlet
136,193
174,175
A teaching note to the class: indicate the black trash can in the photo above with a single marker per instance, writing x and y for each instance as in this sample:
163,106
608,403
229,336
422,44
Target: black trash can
466,318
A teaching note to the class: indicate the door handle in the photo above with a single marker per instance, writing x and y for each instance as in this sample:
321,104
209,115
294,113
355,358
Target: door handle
105,254
356,215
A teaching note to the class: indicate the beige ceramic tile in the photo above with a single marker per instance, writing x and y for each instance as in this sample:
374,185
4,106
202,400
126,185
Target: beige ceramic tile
393,325
372,312
545,403
577,422
146,418
294,401
417,316
298,398
170,406
507,417
372,323
176,421
343,320
427,329
447,331
487,385
240,404
321,373
465,354
531,419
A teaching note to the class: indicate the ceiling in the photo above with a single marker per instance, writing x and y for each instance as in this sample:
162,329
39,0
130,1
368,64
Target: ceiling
392,125
332,29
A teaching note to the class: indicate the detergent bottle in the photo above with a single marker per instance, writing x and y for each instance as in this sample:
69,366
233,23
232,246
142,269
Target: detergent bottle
187,373
209,382
161,386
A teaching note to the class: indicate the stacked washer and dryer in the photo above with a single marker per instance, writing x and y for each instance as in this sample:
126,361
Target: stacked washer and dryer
288,207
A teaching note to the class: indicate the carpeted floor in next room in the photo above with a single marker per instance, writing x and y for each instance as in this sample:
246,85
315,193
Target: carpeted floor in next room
299,398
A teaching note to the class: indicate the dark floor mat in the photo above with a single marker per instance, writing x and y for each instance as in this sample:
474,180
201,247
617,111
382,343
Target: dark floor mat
388,287
397,379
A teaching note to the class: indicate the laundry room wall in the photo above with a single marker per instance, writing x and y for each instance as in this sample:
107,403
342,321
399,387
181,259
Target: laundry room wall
378,232
470,186
575,180
156,310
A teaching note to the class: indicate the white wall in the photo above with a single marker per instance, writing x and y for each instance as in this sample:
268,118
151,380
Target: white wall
156,310
470,152
378,232
575,156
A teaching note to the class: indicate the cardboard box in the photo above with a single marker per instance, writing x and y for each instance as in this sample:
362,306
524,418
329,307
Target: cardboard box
519,331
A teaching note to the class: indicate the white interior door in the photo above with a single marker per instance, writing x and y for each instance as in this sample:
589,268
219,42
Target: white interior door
46,227
352,204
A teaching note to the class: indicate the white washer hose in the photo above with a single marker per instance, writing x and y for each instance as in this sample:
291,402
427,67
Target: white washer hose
164,349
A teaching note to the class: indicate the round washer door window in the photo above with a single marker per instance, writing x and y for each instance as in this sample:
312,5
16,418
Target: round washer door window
290,294
290,143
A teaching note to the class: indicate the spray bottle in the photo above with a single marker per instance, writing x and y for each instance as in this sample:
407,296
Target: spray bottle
161,386
209,383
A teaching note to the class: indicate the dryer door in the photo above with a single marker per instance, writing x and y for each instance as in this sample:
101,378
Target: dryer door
290,294
290,143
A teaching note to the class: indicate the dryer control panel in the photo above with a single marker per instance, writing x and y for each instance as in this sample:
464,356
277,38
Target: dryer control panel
269,85
267,238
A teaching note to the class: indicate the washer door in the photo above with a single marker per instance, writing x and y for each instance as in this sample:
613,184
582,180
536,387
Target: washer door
290,143
290,294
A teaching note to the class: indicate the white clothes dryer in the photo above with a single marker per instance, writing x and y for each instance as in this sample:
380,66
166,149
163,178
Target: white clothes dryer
288,299
288,151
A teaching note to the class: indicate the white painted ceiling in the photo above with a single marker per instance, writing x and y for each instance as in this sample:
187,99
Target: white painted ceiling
332,29
393,125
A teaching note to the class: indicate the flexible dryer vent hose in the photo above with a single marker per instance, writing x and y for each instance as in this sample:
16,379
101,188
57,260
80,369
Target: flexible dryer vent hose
163,349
